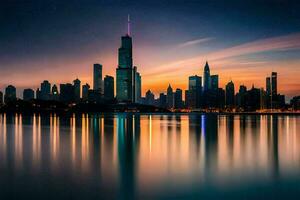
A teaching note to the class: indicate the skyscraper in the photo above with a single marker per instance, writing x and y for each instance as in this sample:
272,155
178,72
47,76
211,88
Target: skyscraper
45,90
162,100
97,78
195,83
268,85
125,72
241,97
77,85
10,94
149,98
178,103
229,94
274,84
85,91
214,80
67,93
109,87
170,97
194,92
28,94
206,77
138,87
1,98
54,93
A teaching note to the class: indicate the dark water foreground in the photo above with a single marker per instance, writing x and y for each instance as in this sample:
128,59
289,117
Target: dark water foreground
149,157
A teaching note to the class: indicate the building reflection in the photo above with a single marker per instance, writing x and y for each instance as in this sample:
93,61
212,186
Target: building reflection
133,152
18,138
54,139
128,142
3,139
36,140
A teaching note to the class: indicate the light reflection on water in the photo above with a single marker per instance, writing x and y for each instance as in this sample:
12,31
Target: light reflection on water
128,156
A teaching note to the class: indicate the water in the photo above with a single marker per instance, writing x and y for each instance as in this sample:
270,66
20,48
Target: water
149,157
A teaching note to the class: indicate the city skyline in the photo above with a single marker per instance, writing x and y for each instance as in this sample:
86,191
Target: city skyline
160,55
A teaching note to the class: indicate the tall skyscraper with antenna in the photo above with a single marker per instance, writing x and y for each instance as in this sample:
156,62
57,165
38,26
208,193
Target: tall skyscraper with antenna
126,73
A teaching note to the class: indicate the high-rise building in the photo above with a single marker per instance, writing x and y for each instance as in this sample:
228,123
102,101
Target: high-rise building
125,72
241,97
85,92
268,85
272,97
162,100
10,94
1,98
77,86
138,87
214,82
195,83
109,87
193,94
67,93
45,90
150,98
28,94
97,78
229,94
206,77
38,94
54,93
170,97
178,103
274,83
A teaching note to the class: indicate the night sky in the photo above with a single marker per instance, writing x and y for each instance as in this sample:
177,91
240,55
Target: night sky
243,41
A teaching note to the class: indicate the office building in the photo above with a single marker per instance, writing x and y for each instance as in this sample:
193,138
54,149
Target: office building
149,98
178,103
126,73
138,87
274,83
162,100
77,86
45,90
206,77
97,78
28,94
109,86
67,93
170,97
1,98
193,94
85,92
214,79
54,93
229,94
10,94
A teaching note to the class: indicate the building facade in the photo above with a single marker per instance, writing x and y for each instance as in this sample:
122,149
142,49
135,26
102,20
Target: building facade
109,86
97,78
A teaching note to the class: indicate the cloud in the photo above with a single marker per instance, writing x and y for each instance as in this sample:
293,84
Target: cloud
280,43
194,42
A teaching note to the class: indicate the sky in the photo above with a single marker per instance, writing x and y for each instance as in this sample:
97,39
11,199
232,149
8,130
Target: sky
243,41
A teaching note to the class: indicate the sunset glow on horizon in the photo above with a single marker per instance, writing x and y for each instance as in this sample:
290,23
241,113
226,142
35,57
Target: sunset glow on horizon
168,47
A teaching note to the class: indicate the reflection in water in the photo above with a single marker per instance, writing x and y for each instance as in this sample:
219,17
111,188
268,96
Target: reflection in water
18,141
150,156
36,140
54,139
3,138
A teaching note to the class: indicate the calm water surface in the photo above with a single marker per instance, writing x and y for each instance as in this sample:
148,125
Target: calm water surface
149,157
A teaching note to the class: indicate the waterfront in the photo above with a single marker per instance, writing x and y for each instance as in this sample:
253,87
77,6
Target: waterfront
167,156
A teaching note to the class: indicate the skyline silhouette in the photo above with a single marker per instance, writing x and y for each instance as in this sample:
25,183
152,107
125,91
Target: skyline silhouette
59,42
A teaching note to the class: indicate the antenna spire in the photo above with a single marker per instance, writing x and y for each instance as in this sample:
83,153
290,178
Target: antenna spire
128,25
